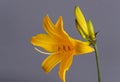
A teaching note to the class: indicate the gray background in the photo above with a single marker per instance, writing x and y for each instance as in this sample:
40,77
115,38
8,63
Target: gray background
21,19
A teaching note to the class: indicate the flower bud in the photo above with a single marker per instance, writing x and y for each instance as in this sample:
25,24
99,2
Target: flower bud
81,20
91,30
82,33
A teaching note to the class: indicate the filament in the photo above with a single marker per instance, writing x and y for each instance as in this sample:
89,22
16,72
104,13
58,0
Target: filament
42,51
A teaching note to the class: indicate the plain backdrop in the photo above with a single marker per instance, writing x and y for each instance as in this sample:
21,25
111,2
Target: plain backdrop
21,19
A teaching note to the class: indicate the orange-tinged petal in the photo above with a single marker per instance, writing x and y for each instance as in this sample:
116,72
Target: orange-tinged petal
82,48
59,28
49,27
51,61
64,66
45,41
59,24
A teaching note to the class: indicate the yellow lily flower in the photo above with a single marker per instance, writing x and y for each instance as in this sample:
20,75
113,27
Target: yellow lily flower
60,46
85,28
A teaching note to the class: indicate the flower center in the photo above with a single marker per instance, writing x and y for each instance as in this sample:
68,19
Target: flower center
64,48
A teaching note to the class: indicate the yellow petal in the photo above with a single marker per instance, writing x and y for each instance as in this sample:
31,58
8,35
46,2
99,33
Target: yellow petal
49,27
80,19
59,28
64,66
55,31
82,47
45,41
59,24
52,60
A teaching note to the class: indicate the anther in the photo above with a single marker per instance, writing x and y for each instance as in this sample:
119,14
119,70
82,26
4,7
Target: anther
58,48
64,48
69,48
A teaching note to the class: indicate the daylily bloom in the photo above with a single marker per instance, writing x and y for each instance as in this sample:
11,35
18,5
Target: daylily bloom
59,45
85,28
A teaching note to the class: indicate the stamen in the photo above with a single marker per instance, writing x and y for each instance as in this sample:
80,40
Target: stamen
42,51
58,48
64,48
69,48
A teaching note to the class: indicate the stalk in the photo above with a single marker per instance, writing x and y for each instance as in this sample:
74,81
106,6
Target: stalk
97,62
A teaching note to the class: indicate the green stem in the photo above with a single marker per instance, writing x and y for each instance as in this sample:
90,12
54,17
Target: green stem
97,62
